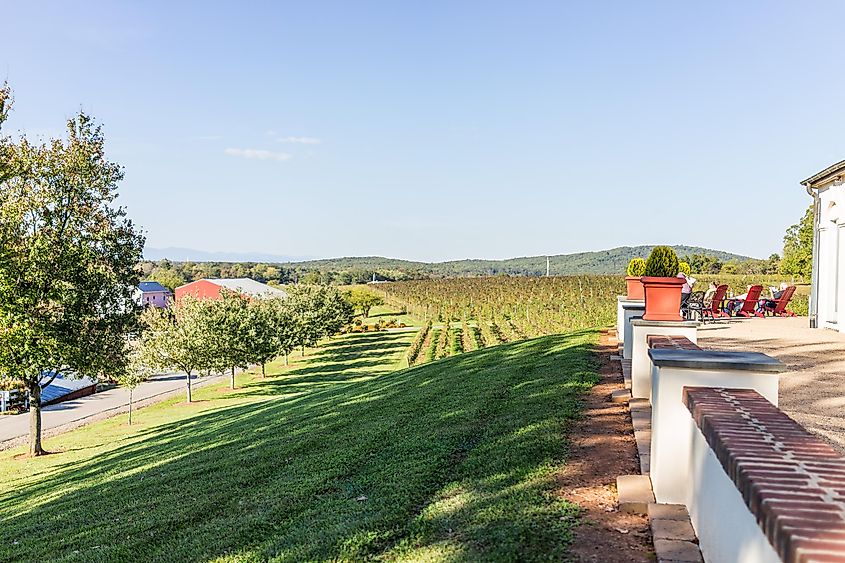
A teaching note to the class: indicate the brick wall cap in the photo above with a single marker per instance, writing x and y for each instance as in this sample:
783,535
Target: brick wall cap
715,359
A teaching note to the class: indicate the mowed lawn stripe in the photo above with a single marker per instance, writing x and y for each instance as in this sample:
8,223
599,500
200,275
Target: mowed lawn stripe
337,457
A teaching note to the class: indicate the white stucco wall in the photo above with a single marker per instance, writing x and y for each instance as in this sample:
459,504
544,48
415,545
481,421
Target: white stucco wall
640,362
831,258
726,529
672,426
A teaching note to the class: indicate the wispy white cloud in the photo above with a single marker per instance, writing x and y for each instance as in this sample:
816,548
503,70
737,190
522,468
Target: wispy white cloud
259,154
299,140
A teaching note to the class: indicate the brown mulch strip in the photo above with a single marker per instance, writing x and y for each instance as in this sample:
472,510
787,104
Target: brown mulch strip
602,447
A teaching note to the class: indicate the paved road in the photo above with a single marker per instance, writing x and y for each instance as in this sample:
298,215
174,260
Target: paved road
64,416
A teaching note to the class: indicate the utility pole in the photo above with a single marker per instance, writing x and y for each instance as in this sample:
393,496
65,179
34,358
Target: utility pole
548,269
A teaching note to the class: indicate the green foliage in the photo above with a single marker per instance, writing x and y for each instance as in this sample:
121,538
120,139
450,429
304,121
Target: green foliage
413,352
135,373
636,267
67,261
684,268
317,311
363,300
231,331
511,308
661,263
180,338
167,277
798,248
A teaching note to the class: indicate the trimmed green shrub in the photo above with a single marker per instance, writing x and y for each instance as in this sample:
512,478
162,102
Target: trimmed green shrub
636,267
684,267
661,263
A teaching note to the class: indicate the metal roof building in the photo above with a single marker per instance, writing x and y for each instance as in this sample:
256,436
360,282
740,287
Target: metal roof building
211,288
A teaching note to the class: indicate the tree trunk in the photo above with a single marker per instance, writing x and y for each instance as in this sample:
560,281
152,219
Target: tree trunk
303,350
188,389
130,405
263,373
35,420
286,358
233,377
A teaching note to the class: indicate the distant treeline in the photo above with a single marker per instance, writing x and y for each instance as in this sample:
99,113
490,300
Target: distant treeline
174,274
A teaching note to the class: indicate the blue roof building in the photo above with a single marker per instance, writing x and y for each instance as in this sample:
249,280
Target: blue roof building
153,294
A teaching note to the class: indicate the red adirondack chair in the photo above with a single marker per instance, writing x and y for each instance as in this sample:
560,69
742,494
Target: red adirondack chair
713,310
750,306
779,309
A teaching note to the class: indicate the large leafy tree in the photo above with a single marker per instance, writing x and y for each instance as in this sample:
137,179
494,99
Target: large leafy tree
179,338
363,300
267,325
798,247
318,311
231,324
67,258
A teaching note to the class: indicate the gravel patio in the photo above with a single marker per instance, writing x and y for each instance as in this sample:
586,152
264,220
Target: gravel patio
812,391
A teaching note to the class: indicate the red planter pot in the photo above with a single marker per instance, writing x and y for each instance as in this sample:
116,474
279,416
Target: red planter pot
662,299
635,287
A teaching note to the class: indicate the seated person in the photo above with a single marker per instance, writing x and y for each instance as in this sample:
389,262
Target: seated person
737,301
776,294
708,295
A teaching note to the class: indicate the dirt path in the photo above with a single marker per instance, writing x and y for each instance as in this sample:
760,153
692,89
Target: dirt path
602,447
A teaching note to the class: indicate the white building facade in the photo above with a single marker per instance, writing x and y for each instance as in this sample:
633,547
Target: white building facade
827,301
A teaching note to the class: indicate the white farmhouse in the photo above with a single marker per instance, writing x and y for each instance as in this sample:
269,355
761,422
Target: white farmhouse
827,301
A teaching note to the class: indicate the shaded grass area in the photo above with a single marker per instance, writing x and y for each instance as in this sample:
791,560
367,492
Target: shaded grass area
336,457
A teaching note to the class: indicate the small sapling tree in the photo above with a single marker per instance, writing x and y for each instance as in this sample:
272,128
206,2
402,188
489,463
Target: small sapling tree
179,338
136,372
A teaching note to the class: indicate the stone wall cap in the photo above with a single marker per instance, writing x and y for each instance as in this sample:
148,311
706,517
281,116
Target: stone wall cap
715,359
639,321
624,298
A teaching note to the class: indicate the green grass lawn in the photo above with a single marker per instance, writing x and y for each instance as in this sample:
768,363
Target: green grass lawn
385,313
339,456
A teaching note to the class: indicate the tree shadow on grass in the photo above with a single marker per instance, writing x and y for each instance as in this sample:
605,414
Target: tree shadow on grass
449,458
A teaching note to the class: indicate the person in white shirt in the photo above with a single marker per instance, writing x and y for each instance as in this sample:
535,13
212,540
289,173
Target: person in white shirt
686,291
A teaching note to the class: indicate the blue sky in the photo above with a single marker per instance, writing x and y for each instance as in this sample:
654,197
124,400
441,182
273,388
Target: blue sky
443,130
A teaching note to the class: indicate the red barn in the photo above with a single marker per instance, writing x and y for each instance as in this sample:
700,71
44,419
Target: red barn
211,288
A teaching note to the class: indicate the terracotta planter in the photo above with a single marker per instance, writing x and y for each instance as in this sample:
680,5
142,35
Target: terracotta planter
662,299
635,287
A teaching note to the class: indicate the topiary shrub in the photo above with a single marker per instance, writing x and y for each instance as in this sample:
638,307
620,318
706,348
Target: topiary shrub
636,267
684,267
661,263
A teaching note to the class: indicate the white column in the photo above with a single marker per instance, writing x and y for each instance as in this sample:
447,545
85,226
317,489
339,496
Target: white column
630,310
640,362
672,427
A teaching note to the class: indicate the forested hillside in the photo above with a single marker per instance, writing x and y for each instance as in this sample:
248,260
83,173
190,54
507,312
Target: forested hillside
362,269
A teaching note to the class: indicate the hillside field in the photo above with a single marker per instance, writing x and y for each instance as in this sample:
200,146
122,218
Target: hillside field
339,457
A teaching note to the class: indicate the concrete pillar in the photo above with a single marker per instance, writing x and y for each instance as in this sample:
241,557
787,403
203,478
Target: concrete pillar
640,363
630,309
672,427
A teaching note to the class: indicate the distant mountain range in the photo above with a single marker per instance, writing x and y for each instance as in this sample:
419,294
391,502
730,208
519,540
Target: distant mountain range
611,261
